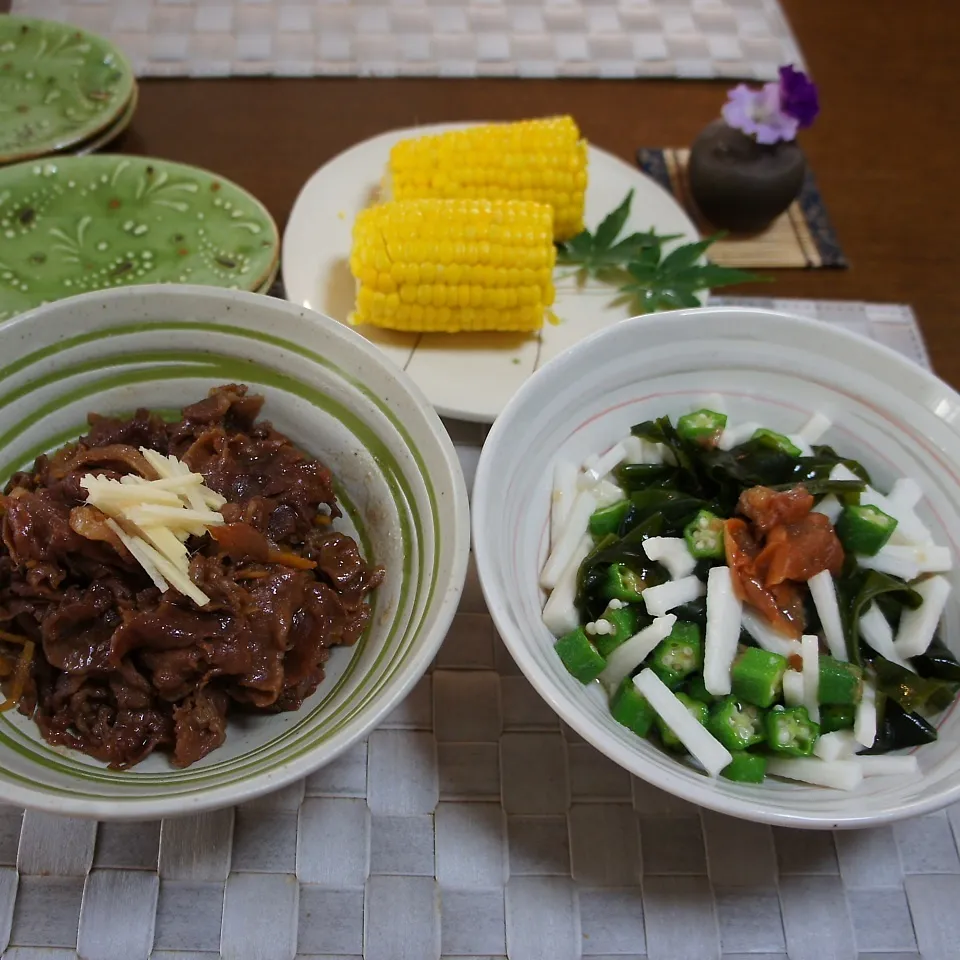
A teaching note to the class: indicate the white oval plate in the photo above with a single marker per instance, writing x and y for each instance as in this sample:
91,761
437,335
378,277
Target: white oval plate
468,376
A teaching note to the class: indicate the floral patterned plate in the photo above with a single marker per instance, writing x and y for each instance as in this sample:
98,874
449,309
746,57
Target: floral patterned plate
73,224
58,86
112,132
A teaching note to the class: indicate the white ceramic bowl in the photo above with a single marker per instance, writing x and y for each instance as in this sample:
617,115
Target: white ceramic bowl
335,395
898,419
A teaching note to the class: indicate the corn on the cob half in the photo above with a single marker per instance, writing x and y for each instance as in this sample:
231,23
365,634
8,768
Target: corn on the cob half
541,160
447,266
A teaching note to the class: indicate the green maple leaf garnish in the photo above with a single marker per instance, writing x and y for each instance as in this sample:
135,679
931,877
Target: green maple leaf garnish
674,281
600,254
637,266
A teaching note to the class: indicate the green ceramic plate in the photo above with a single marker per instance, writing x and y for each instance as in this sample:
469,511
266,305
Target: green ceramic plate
77,224
58,86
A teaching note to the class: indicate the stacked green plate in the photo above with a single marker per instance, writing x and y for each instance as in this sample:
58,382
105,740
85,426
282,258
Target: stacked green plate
70,225
62,89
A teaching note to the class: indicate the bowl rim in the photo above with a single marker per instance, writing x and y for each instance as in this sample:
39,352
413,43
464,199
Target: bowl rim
565,707
446,601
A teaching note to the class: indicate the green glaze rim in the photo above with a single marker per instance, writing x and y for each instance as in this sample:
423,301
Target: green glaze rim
101,169
97,124
292,742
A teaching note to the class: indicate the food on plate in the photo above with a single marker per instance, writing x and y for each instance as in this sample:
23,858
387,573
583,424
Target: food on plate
157,575
542,160
750,601
447,266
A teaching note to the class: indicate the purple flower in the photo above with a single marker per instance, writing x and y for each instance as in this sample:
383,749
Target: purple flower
798,96
758,113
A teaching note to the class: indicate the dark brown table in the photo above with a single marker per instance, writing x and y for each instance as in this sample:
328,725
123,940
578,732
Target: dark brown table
883,150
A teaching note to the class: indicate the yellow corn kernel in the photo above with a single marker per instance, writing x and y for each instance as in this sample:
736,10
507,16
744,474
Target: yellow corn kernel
499,276
544,161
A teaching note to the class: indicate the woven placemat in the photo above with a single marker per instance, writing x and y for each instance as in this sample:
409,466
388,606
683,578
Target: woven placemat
511,38
471,824
803,236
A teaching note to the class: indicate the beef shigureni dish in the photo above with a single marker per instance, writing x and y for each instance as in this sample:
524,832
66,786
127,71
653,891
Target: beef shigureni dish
156,576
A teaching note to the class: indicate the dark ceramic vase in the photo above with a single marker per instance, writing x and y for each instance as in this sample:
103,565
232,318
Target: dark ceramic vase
739,184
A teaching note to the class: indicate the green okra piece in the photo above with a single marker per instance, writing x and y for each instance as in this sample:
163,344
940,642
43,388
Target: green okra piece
737,724
580,656
746,768
678,655
791,733
757,676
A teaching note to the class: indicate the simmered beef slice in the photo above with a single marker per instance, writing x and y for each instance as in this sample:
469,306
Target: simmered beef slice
122,669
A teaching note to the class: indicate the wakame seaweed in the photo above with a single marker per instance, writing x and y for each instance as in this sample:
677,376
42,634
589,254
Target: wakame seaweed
626,549
912,691
937,663
665,497
720,476
898,730
857,589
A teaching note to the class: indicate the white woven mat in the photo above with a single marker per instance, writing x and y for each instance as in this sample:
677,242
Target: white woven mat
472,825
526,38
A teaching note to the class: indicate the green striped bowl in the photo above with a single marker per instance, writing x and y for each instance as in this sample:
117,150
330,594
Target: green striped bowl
397,476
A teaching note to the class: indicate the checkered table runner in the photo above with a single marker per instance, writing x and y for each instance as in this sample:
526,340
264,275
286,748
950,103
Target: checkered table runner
471,824
526,38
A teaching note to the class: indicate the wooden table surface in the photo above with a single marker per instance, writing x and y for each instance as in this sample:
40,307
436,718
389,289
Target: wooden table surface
883,149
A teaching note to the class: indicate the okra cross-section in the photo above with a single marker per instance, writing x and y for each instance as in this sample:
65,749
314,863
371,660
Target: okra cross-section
736,724
702,426
679,655
791,732
704,536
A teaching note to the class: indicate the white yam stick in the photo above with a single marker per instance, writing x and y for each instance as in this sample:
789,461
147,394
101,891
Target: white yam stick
837,745
840,774
634,449
573,530
595,469
640,451
607,493
909,560
898,561
878,635
724,611
562,497
814,429
917,627
842,472
793,688
559,612
766,637
810,653
672,552
631,653
671,594
865,721
731,436
887,765
824,593
830,507
905,493
703,746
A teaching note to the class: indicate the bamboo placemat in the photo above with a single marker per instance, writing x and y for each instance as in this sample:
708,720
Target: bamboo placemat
803,236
